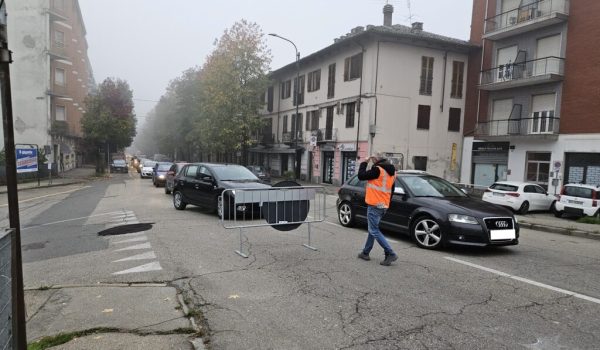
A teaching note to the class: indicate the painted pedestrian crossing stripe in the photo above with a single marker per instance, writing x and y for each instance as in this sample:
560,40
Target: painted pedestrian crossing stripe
136,245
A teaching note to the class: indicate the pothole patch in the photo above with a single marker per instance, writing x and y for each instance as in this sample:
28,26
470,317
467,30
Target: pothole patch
125,229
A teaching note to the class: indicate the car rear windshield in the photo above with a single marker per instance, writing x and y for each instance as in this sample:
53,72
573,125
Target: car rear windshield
581,192
119,161
233,172
149,164
164,167
504,187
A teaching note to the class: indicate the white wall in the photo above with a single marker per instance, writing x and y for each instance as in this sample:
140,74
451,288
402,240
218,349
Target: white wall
28,35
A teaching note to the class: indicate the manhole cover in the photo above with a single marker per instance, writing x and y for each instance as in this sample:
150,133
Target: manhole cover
125,229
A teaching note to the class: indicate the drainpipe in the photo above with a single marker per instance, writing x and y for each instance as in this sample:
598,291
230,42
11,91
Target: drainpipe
360,93
481,65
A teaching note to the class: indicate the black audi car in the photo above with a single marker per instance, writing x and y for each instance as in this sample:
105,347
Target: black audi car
202,184
433,212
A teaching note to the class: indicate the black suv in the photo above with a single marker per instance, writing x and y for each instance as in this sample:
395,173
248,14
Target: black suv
202,184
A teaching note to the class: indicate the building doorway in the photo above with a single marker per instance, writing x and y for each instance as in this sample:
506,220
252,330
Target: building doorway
328,160
348,165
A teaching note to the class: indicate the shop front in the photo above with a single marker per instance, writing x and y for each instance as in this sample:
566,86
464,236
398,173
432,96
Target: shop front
490,162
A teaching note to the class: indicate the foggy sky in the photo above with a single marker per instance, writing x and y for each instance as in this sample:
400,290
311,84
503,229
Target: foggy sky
150,42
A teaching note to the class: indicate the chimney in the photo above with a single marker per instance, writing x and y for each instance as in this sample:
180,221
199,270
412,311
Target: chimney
417,27
387,15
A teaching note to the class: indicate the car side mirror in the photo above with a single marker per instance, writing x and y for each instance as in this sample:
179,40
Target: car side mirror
464,190
399,190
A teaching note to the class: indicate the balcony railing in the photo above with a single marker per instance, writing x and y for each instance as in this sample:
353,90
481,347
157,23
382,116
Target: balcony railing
326,135
266,139
537,125
288,137
524,70
525,13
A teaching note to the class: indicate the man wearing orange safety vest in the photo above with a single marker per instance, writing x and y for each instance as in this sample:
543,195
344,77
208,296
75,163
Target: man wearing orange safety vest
379,190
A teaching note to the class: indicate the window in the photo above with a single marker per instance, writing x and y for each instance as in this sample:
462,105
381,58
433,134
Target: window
420,163
350,107
59,76
353,67
423,117
300,95
314,120
426,75
331,81
285,123
454,119
59,38
60,113
458,69
286,89
270,99
296,126
314,81
538,167
191,171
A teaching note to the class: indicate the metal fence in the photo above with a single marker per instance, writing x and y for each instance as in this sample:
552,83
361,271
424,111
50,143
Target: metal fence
6,325
283,208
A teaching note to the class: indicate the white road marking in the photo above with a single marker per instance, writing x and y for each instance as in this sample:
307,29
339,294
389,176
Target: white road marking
143,256
136,247
153,266
48,195
528,281
67,220
135,239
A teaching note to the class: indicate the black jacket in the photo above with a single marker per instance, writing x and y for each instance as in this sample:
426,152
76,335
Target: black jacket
373,173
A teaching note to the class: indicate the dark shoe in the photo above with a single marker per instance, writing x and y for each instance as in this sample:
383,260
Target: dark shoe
389,259
364,256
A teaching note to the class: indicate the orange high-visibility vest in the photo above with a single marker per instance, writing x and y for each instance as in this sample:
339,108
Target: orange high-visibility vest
379,190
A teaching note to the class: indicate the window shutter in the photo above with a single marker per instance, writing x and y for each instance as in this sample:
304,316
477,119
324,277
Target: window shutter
347,69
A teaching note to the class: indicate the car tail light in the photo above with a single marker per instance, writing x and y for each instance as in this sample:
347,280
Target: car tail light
513,194
487,190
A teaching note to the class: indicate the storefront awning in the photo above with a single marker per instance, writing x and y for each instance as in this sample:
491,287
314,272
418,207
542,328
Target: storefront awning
279,150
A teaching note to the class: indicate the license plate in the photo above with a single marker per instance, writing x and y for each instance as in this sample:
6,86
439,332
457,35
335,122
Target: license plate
497,235
576,202
498,194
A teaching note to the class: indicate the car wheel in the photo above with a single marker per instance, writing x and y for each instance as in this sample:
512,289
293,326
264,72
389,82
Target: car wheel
524,208
346,214
427,233
178,202
167,190
557,213
552,208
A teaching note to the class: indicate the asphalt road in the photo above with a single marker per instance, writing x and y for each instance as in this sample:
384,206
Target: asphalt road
542,294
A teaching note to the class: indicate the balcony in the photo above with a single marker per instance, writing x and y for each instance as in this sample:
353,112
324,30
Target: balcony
544,127
526,18
58,91
266,139
58,50
326,135
512,75
288,137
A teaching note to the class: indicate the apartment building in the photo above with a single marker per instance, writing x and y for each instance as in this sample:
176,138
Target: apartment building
393,89
51,76
533,93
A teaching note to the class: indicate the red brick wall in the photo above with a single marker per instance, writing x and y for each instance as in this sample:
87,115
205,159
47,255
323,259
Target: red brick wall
581,89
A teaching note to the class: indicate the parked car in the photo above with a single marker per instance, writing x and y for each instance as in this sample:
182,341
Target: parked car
170,176
260,172
521,197
147,169
433,212
202,184
578,200
119,166
159,173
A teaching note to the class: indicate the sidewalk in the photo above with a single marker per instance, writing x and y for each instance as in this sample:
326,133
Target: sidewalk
547,222
73,176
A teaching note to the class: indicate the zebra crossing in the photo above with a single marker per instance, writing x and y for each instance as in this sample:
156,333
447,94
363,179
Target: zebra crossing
132,248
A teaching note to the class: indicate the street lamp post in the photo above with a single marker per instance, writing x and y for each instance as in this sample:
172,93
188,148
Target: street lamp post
297,99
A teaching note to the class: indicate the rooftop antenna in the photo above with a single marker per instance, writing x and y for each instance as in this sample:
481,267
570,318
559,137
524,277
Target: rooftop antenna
410,15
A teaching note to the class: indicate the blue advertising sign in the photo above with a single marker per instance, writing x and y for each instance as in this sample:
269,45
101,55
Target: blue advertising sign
27,160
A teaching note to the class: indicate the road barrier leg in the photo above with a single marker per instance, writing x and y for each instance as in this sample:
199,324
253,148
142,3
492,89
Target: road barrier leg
307,245
241,251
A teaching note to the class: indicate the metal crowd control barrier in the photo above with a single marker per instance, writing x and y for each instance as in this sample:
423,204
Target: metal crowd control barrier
283,208
6,321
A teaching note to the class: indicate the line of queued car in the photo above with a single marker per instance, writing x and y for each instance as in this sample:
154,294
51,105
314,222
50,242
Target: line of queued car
522,197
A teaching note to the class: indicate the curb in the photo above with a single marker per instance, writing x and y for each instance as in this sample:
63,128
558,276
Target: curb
46,186
560,230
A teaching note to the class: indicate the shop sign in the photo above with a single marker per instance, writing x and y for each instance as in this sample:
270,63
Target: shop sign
491,146
347,147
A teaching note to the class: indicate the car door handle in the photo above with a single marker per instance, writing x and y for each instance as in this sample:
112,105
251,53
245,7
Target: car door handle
197,186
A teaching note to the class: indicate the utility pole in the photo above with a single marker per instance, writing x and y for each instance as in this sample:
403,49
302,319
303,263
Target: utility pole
18,303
